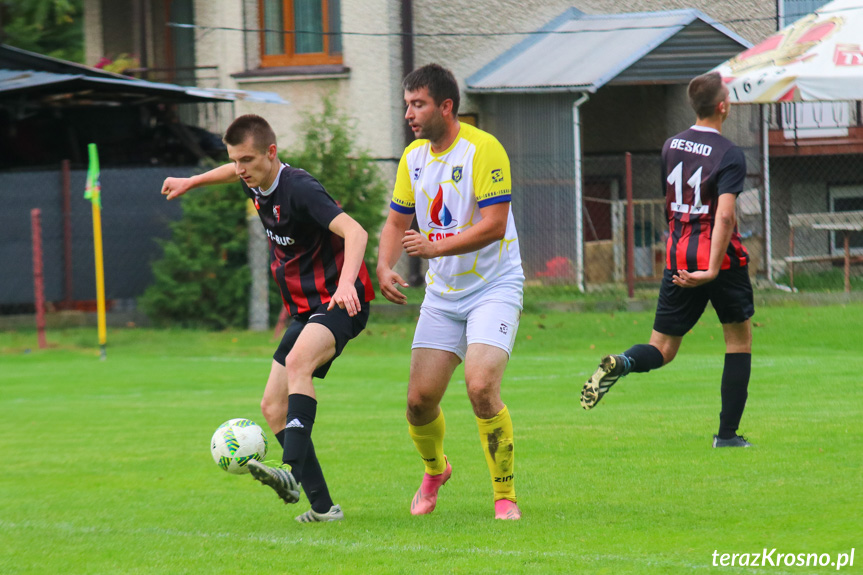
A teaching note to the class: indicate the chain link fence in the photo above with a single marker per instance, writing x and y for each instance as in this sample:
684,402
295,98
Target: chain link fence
557,265
134,215
817,196
804,231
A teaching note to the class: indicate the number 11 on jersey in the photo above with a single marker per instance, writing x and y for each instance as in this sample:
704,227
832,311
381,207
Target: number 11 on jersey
675,178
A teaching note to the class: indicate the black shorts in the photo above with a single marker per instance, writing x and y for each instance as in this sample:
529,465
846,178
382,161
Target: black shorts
679,309
343,327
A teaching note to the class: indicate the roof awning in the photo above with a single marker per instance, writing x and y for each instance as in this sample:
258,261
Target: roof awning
48,88
578,52
49,81
815,59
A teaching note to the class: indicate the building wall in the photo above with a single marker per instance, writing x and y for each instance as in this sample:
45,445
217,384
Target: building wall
466,55
370,92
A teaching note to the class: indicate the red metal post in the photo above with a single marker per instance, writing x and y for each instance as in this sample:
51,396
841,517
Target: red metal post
791,262
630,230
38,277
847,234
67,233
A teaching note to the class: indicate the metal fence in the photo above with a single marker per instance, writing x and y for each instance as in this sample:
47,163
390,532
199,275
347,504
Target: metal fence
816,188
803,228
547,216
134,215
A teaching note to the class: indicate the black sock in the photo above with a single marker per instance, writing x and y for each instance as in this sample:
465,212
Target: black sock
644,357
314,484
298,432
735,383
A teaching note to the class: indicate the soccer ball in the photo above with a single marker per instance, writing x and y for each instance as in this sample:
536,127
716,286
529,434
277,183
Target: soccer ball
236,442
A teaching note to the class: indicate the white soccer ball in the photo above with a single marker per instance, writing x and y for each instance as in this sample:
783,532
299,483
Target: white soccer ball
236,442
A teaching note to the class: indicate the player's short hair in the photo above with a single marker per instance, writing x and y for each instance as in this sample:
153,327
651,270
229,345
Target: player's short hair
440,82
705,92
250,125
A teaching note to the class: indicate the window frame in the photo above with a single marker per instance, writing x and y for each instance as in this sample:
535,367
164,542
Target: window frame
290,57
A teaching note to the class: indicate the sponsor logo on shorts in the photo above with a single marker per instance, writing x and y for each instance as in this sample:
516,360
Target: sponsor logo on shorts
504,328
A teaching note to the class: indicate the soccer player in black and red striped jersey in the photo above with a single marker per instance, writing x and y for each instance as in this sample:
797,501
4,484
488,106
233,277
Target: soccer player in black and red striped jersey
702,173
317,261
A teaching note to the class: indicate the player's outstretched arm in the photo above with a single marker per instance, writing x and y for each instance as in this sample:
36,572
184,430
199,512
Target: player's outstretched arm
389,250
356,239
175,187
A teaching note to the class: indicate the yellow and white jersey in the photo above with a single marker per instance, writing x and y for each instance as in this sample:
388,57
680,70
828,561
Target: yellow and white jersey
446,191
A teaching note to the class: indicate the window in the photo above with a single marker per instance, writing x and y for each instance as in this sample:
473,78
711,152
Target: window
846,199
300,32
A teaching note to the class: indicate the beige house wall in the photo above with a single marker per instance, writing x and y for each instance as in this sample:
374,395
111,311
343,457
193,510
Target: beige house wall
369,92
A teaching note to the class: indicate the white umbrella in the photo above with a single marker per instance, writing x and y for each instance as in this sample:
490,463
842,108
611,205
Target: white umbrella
819,58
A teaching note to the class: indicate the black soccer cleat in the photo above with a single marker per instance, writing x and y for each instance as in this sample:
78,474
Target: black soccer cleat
736,441
277,476
611,368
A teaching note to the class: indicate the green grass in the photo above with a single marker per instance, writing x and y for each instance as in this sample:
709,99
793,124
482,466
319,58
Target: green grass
832,280
108,468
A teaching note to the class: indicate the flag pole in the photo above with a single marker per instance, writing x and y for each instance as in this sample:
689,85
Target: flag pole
94,194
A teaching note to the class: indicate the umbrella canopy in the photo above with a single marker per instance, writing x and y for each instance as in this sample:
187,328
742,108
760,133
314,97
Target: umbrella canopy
819,58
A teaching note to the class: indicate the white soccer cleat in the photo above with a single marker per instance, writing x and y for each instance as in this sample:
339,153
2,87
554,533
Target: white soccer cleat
312,516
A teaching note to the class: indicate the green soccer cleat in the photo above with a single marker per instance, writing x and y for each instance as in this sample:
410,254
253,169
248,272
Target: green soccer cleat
611,368
312,516
277,475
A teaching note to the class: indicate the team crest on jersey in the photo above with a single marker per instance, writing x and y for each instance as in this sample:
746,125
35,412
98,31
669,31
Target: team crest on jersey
277,211
441,218
456,173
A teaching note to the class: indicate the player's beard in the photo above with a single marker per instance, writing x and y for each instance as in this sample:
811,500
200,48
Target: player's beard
434,129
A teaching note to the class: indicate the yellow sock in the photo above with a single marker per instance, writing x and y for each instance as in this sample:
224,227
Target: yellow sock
495,434
428,440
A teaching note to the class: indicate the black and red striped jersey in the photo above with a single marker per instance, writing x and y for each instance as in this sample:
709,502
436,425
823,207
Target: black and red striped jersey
699,165
306,258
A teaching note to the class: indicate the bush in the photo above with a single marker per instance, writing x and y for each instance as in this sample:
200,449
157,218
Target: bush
203,278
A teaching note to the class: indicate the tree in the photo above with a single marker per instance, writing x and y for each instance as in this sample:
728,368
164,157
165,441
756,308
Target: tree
203,277
350,176
50,27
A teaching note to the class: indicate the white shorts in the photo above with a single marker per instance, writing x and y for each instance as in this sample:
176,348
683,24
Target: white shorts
489,315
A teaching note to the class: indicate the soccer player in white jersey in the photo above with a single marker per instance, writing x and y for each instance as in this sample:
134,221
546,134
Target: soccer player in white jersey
456,180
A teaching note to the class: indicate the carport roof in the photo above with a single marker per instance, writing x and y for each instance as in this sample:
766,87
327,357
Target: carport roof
578,52
49,81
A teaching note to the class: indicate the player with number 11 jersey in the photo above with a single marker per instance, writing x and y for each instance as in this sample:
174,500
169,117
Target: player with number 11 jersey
699,165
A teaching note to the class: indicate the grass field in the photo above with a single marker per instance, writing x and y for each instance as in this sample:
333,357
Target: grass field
108,467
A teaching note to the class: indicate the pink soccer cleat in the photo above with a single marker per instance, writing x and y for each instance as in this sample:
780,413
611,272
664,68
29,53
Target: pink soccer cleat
426,496
506,509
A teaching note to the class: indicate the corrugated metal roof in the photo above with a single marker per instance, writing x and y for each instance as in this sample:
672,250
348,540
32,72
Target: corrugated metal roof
16,82
22,71
578,52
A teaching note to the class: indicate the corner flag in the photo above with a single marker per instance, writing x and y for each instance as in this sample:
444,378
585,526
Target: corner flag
93,192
